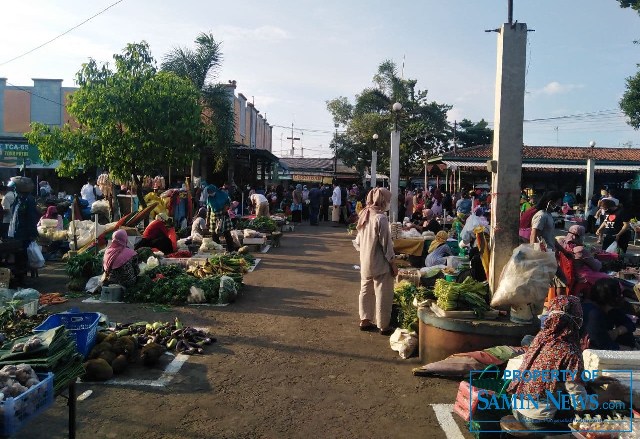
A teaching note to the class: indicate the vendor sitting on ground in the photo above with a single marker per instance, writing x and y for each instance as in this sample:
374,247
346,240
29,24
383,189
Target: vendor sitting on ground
120,263
606,326
428,223
156,235
199,225
586,266
556,347
51,214
438,250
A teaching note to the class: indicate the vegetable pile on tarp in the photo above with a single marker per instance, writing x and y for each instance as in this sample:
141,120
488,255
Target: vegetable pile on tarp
263,224
50,351
469,294
172,284
404,295
15,323
141,342
81,267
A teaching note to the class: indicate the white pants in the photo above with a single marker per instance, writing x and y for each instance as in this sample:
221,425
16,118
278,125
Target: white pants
335,213
376,299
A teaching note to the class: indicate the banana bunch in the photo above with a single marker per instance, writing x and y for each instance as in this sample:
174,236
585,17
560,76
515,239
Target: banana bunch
202,270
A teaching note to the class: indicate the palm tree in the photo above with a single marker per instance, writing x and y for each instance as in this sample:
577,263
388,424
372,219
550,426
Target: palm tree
201,67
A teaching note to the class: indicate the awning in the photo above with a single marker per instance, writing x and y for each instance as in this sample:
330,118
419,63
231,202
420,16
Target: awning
602,167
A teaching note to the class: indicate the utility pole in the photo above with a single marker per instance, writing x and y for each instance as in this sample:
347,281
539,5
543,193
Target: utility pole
335,152
455,141
506,164
302,151
293,139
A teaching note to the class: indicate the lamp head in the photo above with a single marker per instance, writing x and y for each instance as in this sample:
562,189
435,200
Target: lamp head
375,137
592,143
397,106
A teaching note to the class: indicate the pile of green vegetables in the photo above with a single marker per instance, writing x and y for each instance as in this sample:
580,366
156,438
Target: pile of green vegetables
468,295
263,224
81,267
404,294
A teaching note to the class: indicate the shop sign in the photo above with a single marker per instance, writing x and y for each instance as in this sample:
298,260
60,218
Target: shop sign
309,178
13,155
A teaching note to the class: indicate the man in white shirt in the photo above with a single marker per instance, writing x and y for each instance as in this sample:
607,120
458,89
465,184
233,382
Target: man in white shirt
261,204
336,199
9,196
90,191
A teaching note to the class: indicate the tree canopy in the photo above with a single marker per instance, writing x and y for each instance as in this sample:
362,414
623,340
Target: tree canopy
633,4
424,126
133,120
471,134
200,66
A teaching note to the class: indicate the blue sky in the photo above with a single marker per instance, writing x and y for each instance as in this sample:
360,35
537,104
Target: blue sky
292,56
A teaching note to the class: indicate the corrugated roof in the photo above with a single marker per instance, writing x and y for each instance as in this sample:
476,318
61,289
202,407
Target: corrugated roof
598,167
554,153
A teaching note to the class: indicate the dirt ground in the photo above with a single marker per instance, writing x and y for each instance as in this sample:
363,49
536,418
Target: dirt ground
290,362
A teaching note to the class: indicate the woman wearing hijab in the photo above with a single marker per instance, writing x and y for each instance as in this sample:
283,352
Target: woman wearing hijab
586,266
156,235
296,205
120,263
377,266
438,250
555,348
51,214
199,225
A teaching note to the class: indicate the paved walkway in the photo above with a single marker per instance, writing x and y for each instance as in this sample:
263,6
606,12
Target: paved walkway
289,363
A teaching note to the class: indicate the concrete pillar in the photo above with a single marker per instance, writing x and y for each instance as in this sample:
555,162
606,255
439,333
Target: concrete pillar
591,167
374,166
507,146
394,175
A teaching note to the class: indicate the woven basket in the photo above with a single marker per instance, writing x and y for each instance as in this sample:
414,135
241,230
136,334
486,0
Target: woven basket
410,275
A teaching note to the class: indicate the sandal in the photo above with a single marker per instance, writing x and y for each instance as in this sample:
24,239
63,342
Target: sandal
366,325
386,332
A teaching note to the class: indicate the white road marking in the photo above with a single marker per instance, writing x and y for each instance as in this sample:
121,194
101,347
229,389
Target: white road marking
444,414
167,375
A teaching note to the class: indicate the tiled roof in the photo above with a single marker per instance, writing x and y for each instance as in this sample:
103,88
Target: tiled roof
562,153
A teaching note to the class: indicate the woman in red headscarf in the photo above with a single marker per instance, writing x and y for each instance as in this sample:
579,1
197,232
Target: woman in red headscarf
120,263
51,214
557,348
377,267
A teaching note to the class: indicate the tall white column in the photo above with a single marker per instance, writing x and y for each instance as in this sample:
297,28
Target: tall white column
507,146
394,177
588,193
374,166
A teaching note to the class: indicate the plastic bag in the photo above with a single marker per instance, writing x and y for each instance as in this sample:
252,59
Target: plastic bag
613,248
404,342
152,262
526,277
93,283
196,295
228,290
34,253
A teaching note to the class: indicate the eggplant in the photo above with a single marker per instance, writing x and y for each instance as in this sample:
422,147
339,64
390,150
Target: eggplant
181,346
190,351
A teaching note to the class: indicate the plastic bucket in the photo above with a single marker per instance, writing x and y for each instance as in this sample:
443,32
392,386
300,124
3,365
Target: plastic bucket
111,293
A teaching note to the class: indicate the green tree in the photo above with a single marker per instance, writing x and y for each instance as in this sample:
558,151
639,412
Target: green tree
471,134
633,4
630,102
200,66
424,124
132,121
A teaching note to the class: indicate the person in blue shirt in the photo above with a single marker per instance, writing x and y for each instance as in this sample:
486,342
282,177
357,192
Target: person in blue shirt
463,205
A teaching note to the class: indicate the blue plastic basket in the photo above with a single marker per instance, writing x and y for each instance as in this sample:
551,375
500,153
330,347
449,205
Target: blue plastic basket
82,327
21,409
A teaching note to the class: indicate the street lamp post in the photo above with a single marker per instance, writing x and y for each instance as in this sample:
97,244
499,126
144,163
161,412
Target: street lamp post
589,187
374,161
394,177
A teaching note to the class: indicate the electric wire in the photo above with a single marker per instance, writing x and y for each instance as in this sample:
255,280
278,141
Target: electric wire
62,34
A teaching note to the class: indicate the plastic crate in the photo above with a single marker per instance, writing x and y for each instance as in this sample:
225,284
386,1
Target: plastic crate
82,327
21,409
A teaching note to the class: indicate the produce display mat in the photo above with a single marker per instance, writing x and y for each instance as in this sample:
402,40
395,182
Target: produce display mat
265,248
488,315
159,375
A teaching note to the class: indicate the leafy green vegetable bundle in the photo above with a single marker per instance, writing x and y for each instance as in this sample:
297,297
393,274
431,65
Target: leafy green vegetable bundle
469,294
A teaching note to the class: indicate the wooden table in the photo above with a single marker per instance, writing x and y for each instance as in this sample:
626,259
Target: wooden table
409,246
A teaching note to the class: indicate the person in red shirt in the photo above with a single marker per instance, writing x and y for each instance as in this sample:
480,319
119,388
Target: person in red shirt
157,235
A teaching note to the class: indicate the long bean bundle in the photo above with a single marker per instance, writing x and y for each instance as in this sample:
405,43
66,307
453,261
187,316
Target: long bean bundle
469,294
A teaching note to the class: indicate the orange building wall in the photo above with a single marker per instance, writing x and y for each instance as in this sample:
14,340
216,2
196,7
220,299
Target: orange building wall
66,117
17,114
